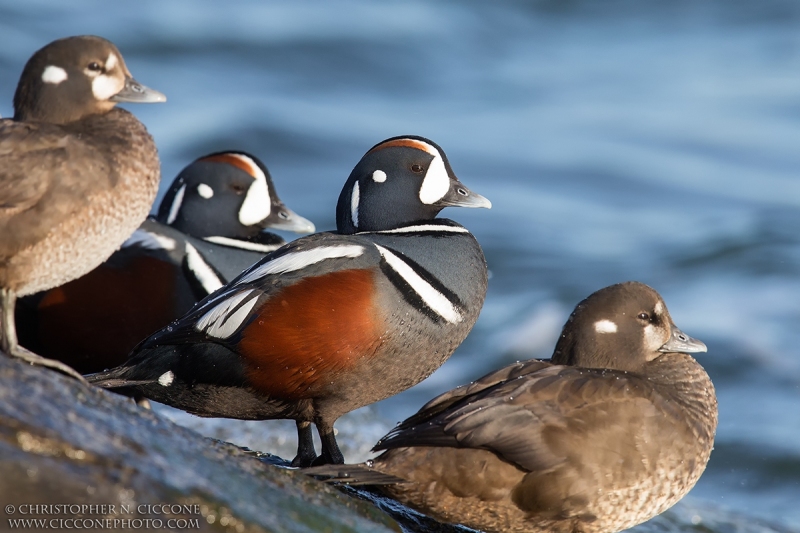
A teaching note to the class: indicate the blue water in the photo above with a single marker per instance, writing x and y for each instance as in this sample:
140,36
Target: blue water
657,141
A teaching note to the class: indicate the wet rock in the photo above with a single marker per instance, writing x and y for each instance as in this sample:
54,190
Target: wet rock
65,443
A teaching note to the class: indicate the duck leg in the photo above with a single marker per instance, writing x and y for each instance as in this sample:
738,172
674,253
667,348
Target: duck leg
305,445
8,338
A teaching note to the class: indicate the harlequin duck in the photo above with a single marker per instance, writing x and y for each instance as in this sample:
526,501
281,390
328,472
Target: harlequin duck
77,175
333,321
612,431
209,228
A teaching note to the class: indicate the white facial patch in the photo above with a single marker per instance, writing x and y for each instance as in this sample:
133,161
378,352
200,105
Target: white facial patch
653,340
166,379
111,62
53,74
379,176
205,191
658,309
605,326
105,86
299,260
243,245
355,197
436,182
202,272
257,204
422,228
221,321
434,299
176,204
149,241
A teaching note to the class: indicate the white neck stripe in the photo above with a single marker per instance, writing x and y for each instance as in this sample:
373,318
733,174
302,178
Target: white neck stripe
355,198
434,299
204,273
149,241
421,228
299,260
242,245
176,204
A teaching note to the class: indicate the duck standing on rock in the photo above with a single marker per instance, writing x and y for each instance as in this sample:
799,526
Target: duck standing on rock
332,321
612,431
210,226
77,175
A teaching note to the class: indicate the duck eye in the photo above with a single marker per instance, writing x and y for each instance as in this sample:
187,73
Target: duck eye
95,66
238,189
644,316
416,168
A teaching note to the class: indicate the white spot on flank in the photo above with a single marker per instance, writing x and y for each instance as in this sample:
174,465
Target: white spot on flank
257,204
166,379
243,245
105,86
379,176
299,260
221,321
354,199
149,241
53,74
422,227
111,62
205,191
436,182
434,299
176,204
605,326
204,273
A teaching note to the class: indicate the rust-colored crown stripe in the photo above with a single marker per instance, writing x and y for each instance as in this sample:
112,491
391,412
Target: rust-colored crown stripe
232,159
410,143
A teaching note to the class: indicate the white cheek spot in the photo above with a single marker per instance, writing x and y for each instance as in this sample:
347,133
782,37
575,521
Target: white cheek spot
605,326
53,74
379,176
257,204
166,379
205,191
111,62
176,204
436,182
354,200
105,86
224,319
299,260
659,308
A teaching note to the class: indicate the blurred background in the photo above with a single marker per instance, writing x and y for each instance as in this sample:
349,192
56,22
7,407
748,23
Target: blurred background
617,139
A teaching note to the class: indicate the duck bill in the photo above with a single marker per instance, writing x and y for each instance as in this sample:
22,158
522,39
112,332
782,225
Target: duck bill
136,93
293,222
680,342
460,196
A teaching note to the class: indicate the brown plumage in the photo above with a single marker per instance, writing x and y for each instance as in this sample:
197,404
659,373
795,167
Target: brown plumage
614,430
77,176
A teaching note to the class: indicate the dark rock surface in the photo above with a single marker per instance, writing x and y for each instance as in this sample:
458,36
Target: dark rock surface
63,442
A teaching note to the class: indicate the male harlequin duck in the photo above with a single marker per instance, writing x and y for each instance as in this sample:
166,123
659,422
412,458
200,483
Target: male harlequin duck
614,430
77,175
333,321
209,228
